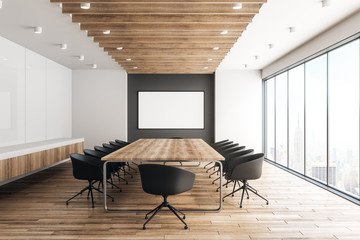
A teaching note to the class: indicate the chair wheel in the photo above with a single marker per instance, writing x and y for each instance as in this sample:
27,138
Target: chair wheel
132,176
93,206
112,200
240,206
120,190
267,203
223,200
67,203
146,217
127,183
213,183
184,217
248,197
144,227
186,227
217,190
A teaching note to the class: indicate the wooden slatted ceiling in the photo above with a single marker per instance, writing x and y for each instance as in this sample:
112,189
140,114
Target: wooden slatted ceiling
164,36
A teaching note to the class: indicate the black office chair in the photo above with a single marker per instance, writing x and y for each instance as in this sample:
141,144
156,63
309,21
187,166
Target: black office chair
217,144
104,150
109,146
90,169
114,166
244,169
116,144
165,181
122,142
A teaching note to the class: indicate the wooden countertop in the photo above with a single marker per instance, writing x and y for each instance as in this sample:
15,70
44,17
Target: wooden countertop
166,150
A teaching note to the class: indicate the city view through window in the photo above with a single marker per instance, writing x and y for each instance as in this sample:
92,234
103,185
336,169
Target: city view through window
312,118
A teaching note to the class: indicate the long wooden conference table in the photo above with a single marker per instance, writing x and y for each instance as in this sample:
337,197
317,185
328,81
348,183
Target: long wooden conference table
169,150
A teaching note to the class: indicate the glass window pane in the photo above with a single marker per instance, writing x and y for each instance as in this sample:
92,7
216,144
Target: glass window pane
296,118
344,118
270,119
281,119
316,118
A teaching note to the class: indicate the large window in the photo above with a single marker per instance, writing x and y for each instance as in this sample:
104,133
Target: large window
316,118
344,117
270,119
296,118
281,119
312,118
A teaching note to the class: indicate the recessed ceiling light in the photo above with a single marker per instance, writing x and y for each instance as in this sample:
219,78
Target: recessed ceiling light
216,48
224,32
210,59
60,5
81,58
256,57
38,30
63,46
237,6
119,48
70,15
106,32
1,3
128,59
135,67
245,65
85,5
326,3
292,29
270,45
206,67
94,65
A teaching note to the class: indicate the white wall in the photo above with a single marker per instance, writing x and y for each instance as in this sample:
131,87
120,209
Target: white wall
99,105
238,107
339,32
35,96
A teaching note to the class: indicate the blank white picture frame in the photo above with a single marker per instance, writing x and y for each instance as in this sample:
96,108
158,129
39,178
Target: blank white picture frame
171,109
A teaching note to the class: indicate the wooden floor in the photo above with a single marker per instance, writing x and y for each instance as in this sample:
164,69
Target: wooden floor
34,208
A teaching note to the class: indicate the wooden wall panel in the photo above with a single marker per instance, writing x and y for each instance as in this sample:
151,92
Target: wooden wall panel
17,166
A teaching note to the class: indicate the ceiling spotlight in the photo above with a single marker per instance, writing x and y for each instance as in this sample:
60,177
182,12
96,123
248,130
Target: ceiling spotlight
38,30
128,59
270,45
94,65
135,67
216,48
119,48
81,58
70,15
210,59
60,5
106,32
292,29
206,67
85,5
1,3
256,57
237,6
63,46
224,32
245,65
326,3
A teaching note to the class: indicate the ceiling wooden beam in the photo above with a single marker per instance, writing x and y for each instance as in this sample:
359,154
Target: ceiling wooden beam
159,46
157,1
120,40
163,8
164,33
167,18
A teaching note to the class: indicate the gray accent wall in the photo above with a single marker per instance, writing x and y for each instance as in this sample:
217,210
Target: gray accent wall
171,82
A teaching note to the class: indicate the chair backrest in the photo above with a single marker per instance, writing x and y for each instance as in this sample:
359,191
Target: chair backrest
86,167
120,145
232,150
93,153
224,148
221,142
215,145
104,150
176,138
165,180
236,154
245,168
106,145
122,142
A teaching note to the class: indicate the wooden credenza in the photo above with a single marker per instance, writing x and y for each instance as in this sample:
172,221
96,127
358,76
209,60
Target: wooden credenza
22,160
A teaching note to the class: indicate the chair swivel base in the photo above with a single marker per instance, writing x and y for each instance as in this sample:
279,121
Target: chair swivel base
165,203
90,189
